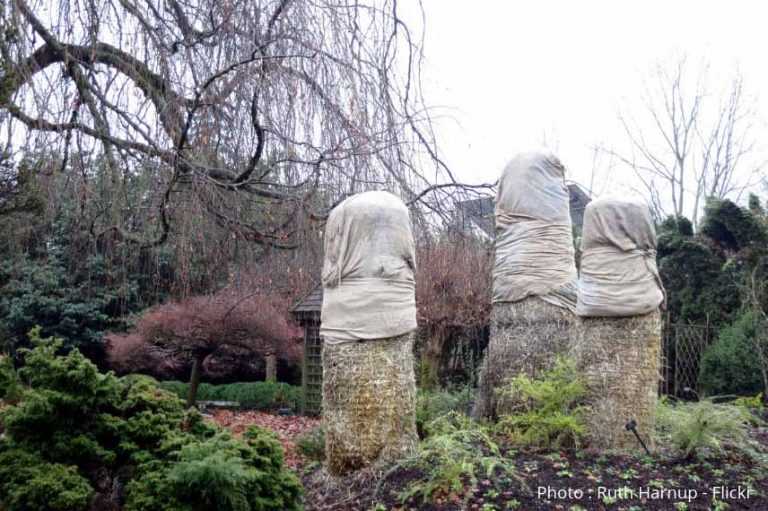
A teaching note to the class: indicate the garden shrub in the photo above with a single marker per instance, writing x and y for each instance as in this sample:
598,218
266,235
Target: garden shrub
9,382
198,328
732,227
73,427
676,225
218,473
69,305
753,404
699,289
704,274
27,482
432,404
703,428
180,389
545,412
312,444
728,365
262,395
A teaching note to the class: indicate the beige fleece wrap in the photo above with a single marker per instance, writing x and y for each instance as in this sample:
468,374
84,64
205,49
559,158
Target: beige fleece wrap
534,245
619,276
369,289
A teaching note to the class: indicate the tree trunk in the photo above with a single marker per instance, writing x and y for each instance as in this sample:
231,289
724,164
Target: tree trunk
194,380
432,356
271,360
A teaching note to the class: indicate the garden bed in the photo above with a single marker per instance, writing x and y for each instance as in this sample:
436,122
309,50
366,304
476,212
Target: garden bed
569,480
605,482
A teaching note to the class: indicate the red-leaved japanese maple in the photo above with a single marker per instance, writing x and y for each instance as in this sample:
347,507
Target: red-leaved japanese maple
198,327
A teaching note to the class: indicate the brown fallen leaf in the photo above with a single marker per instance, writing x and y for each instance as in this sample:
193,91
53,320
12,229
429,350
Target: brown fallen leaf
287,428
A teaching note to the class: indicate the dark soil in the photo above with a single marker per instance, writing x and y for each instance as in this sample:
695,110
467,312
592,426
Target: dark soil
569,481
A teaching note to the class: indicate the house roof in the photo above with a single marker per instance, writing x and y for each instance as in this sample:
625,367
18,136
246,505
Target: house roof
479,212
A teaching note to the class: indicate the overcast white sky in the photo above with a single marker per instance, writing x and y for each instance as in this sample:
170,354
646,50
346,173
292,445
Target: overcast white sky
510,74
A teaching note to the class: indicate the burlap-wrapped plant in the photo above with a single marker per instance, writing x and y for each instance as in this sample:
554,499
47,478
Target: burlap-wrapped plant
534,276
368,321
618,347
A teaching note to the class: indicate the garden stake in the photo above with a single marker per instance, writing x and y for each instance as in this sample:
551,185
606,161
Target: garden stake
632,426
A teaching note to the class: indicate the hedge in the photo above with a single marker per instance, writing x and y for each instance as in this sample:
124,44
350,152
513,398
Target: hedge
260,395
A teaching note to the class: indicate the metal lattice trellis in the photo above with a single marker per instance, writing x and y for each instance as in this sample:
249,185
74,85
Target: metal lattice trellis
684,345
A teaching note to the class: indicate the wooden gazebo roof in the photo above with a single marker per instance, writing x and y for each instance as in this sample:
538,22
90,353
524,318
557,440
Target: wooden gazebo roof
308,307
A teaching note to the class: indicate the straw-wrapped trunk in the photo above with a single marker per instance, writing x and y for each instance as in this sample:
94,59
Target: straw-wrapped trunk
620,359
369,400
526,337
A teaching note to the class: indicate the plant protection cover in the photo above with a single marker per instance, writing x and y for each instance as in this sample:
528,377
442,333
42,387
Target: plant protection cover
534,242
619,276
369,289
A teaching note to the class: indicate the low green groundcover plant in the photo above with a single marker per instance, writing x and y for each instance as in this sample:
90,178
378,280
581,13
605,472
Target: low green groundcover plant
752,404
74,435
312,444
260,395
456,451
728,365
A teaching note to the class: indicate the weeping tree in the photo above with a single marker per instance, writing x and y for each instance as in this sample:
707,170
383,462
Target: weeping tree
256,115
